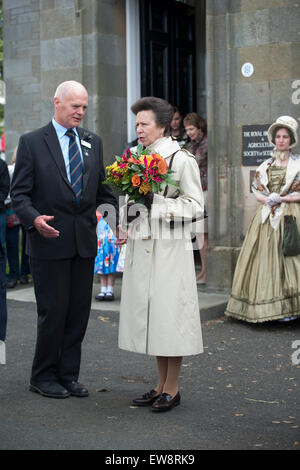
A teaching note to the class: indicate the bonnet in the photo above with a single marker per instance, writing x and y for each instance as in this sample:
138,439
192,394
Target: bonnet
284,121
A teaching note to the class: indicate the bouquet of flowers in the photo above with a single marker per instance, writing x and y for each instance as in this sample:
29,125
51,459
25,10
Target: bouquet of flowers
138,173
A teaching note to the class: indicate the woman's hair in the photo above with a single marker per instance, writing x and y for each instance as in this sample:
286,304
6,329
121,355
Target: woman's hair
181,128
176,110
162,110
193,119
274,132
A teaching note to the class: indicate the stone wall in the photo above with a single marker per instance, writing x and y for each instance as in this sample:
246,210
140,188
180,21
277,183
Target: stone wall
21,28
49,41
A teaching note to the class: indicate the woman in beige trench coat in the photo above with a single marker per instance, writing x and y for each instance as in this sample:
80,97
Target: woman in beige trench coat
159,312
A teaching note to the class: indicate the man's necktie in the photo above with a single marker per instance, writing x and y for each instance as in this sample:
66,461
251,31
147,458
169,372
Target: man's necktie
75,165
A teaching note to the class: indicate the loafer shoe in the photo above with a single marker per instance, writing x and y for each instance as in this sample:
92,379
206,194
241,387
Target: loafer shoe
101,296
76,389
165,402
109,296
146,399
49,389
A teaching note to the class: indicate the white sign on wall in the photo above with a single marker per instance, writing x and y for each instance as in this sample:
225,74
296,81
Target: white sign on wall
247,69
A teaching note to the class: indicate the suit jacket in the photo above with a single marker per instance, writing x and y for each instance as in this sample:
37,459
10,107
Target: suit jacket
4,185
40,186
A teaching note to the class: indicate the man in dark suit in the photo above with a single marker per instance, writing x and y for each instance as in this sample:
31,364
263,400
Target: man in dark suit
56,188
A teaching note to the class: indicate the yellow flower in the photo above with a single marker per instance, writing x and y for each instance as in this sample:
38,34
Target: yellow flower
149,159
145,188
112,167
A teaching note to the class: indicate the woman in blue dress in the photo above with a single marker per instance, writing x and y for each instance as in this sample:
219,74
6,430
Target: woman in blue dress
107,258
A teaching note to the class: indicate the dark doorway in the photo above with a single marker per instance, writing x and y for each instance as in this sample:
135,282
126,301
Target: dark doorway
168,52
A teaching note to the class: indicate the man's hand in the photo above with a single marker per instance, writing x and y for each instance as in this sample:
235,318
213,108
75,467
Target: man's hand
43,228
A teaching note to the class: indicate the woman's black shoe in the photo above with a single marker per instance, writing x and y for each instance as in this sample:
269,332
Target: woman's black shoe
165,402
146,399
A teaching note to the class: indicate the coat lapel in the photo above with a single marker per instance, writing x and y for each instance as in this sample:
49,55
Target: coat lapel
55,151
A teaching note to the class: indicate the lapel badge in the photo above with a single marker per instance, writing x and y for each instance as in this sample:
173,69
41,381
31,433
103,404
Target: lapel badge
86,144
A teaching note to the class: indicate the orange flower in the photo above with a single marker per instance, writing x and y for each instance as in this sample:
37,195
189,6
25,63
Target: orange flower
136,180
157,156
162,166
134,160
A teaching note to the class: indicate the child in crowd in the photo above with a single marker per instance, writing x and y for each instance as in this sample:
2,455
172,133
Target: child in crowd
107,258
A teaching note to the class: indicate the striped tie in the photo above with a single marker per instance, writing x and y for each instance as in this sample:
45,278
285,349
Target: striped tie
75,165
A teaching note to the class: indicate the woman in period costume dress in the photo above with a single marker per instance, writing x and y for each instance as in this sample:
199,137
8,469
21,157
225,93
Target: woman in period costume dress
196,129
266,284
159,312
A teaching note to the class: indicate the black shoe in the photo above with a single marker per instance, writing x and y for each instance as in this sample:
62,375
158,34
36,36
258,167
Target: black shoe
101,296
50,389
165,402
146,399
76,389
11,283
23,279
109,296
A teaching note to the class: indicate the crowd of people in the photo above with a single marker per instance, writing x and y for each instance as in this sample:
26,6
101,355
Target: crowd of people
55,199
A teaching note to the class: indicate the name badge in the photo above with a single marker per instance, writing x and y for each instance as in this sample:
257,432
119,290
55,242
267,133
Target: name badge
86,144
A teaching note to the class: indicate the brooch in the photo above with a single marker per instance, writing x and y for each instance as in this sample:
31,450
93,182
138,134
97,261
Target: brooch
86,142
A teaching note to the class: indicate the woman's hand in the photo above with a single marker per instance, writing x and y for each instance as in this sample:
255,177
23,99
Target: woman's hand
149,200
131,212
273,199
121,236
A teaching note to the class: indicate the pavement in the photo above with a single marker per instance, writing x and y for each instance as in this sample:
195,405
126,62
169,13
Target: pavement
211,304
242,393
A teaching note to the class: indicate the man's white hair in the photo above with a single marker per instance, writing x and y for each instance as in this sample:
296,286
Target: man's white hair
64,88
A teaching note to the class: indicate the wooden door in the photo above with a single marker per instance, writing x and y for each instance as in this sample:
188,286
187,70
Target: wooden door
168,52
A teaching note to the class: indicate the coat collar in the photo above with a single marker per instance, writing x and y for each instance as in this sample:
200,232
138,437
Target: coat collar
165,146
